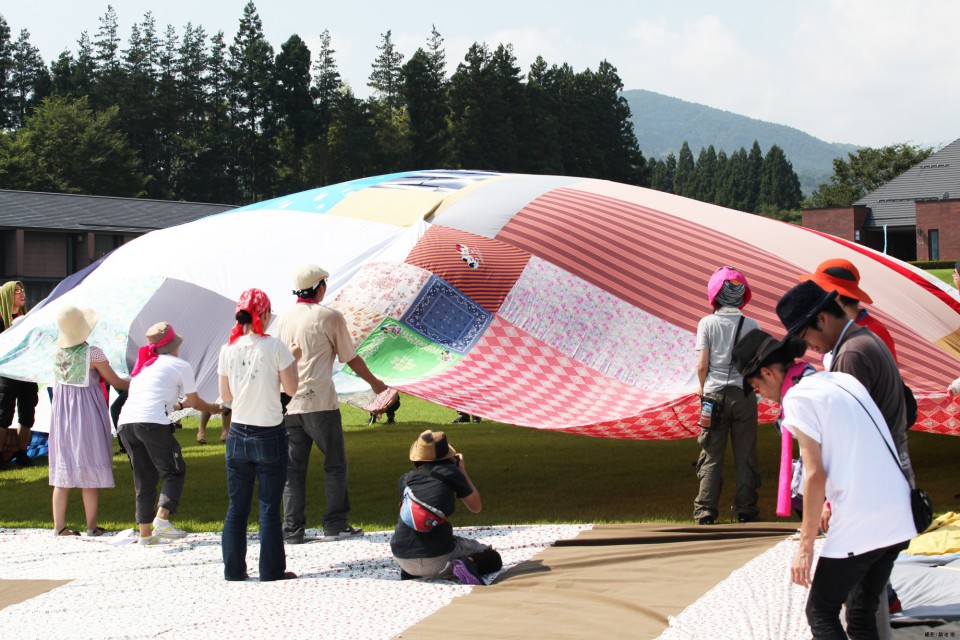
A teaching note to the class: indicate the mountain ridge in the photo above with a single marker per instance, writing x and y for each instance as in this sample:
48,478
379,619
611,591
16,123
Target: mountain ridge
662,123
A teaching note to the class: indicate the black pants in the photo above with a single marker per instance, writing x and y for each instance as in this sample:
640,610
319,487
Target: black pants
154,454
864,579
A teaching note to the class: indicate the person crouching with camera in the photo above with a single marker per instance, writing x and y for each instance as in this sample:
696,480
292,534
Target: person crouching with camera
423,542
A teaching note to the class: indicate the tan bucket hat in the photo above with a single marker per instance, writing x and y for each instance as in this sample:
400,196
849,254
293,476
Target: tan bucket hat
431,446
76,324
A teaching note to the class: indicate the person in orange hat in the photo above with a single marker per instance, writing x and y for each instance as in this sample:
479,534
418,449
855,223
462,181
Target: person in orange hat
843,277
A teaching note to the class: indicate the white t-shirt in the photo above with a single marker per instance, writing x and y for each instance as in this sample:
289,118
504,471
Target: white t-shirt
253,364
155,390
869,496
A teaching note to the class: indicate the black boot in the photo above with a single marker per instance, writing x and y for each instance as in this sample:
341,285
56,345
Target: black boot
488,561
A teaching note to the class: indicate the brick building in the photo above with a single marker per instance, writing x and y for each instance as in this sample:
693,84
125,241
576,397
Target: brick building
44,237
915,216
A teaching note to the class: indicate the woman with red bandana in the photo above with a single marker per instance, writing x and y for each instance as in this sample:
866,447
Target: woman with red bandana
253,368
158,381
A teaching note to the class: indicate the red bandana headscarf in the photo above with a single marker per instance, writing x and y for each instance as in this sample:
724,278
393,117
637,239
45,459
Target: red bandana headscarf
255,302
147,354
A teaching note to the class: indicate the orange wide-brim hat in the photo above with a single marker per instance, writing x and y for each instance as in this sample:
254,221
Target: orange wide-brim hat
841,276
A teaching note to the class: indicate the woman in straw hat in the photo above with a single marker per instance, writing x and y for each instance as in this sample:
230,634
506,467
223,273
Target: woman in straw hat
253,368
423,542
81,445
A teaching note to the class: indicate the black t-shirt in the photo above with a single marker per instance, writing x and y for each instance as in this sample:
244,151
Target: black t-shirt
441,489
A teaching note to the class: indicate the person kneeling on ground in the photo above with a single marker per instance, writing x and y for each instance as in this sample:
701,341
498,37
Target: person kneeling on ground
423,542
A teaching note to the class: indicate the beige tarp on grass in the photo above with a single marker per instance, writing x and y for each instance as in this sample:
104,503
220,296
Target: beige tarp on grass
613,581
14,591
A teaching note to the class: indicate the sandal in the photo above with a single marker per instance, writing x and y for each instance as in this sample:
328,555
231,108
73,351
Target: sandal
201,438
66,532
95,532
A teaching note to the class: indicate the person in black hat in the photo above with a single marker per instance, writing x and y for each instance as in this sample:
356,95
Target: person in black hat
849,459
423,542
812,313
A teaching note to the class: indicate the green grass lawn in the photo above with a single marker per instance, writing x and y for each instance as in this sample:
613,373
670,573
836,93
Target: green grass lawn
944,274
524,475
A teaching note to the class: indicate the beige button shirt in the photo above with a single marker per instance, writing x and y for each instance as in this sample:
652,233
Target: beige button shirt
323,336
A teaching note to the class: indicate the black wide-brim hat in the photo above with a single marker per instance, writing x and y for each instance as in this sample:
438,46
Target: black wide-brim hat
800,305
753,349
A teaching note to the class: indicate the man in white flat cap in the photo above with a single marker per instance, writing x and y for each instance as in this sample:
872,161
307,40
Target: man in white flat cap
313,414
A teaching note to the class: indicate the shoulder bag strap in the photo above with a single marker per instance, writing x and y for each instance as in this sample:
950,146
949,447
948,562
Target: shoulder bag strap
895,457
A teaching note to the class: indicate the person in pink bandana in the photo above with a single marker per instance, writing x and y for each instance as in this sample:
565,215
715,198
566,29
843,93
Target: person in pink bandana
253,368
160,384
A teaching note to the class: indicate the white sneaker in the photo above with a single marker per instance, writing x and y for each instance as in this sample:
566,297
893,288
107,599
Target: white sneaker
167,530
152,541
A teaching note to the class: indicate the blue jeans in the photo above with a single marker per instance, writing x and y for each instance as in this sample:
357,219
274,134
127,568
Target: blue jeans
255,453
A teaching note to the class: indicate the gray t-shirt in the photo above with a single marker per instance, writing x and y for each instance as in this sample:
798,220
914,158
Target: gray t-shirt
715,333
864,356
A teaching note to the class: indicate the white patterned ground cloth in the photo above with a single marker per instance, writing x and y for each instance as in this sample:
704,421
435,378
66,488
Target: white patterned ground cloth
346,589
756,601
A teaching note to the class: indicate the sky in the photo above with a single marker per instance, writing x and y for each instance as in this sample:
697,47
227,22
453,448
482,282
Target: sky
864,72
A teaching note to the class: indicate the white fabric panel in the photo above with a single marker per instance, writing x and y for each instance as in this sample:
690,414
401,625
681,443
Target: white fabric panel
235,251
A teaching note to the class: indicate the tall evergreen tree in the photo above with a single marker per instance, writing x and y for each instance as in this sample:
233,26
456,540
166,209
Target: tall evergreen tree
619,156
539,124
7,100
423,89
685,174
216,157
390,117
75,77
137,99
295,108
169,113
250,73
662,173
752,188
705,175
190,146
108,72
326,93
779,184
30,79
352,139
385,76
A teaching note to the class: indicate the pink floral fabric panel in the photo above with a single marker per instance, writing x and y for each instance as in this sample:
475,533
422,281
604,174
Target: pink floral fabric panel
360,321
387,288
609,334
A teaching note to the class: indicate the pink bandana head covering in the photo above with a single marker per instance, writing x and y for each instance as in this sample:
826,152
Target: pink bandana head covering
164,335
720,276
255,302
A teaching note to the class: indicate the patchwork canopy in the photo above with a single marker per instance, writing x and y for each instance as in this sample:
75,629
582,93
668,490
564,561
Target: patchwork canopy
550,302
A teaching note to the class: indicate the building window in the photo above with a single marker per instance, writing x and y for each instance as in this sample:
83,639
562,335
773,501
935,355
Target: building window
933,237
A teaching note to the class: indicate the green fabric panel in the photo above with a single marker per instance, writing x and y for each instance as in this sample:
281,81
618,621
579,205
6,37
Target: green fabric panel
398,355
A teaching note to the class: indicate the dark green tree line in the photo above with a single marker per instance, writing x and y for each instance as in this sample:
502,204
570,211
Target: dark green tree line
189,115
747,181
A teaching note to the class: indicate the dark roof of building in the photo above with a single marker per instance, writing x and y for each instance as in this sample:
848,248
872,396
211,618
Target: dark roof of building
936,178
72,212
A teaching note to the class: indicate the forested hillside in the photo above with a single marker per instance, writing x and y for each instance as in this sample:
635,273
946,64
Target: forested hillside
662,124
